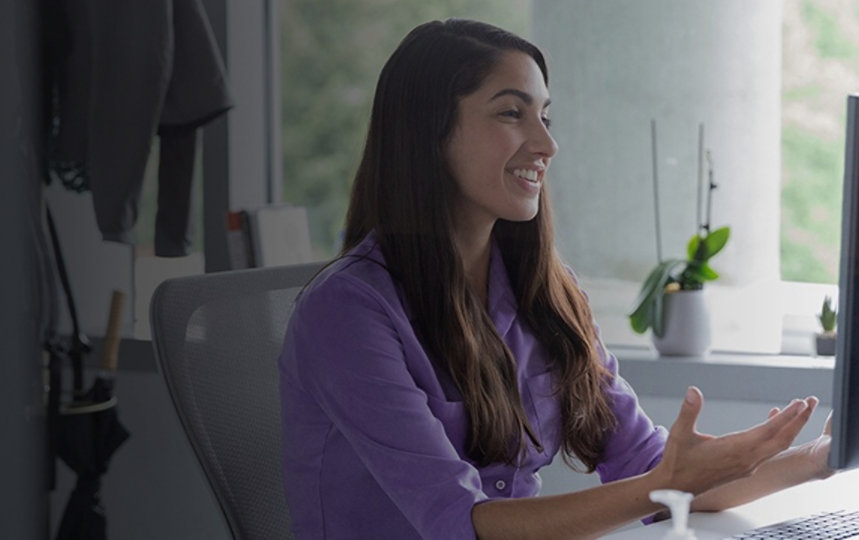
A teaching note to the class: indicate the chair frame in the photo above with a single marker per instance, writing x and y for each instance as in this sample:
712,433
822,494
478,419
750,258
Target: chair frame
173,304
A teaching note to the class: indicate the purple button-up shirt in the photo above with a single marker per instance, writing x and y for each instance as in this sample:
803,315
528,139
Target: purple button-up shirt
374,435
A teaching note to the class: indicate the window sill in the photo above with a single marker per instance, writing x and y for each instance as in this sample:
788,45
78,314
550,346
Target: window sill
727,376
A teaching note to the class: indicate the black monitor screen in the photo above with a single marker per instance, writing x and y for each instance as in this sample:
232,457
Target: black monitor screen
845,393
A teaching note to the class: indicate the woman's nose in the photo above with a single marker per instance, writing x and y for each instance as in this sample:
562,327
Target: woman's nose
542,142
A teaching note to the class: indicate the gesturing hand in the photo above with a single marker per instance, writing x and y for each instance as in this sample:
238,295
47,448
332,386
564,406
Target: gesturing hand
817,450
696,462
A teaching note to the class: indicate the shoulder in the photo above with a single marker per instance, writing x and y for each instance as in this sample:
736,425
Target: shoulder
359,277
573,278
570,272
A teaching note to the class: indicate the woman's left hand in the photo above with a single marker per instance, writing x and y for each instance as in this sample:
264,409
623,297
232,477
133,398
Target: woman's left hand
817,450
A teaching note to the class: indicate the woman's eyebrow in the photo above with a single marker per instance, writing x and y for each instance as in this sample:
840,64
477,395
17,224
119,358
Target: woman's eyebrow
524,96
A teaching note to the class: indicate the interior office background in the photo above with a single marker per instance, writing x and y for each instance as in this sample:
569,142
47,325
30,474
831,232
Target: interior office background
731,79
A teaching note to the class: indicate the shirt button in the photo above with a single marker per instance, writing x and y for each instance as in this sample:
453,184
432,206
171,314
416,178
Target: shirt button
500,485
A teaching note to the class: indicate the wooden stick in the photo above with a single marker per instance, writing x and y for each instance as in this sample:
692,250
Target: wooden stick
110,347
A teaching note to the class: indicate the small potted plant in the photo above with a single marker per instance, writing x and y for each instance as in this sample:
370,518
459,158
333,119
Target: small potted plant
671,280
671,301
825,341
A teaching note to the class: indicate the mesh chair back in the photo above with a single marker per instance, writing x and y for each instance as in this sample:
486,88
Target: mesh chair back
217,338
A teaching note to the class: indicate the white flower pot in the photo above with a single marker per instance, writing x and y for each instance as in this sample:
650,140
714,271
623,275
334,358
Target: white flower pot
687,325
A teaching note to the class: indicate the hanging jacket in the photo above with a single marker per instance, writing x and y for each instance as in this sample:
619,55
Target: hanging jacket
126,71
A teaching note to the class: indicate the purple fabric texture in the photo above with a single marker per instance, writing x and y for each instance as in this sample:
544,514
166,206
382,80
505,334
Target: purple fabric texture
374,434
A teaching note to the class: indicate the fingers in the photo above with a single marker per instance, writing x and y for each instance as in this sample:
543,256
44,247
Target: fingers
689,410
782,427
811,401
778,421
787,424
801,419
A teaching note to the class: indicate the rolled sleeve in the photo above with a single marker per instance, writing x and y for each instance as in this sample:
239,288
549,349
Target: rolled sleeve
635,445
345,343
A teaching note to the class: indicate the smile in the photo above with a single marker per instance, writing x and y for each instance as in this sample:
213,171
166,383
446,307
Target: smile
527,174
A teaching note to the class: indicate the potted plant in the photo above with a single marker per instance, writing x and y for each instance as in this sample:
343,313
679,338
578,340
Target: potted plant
671,301
825,341
668,281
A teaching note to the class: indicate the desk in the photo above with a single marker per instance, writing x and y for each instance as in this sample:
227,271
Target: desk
838,492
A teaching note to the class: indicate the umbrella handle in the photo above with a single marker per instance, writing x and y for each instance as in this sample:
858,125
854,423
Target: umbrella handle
110,348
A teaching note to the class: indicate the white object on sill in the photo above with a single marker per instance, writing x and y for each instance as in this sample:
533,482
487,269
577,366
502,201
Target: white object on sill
687,324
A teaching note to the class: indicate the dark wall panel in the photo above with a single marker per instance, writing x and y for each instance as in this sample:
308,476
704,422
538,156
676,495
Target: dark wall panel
23,508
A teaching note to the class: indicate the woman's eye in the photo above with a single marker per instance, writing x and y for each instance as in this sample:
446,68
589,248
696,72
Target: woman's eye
512,113
547,121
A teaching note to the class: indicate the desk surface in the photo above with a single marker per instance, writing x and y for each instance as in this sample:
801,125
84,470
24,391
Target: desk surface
838,492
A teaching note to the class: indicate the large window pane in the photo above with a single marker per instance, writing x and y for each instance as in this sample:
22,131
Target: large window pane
820,67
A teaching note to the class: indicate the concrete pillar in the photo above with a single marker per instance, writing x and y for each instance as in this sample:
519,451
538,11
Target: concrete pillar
617,64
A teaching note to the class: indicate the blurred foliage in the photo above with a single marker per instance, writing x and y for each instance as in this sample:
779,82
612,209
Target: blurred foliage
812,170
829,39
801,93
812,139
331,54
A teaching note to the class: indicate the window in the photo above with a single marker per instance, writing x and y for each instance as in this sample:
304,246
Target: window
820,53
819,70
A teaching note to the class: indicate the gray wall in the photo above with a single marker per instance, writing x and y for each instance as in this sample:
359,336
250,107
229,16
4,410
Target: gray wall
22,503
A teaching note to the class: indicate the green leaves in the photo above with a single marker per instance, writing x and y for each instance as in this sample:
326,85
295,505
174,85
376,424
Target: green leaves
647,311
702,249
828,315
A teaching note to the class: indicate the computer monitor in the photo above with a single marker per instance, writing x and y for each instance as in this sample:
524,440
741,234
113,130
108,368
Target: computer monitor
845,389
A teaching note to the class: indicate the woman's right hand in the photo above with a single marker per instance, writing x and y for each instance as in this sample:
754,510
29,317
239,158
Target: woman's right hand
696,462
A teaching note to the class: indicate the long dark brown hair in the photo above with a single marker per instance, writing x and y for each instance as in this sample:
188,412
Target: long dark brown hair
404,192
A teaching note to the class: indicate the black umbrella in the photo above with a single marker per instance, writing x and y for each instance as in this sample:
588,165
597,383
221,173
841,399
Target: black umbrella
61,352
88,434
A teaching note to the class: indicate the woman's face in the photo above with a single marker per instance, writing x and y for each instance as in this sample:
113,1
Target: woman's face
500,147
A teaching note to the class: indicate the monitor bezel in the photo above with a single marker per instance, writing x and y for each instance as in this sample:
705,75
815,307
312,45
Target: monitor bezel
844,451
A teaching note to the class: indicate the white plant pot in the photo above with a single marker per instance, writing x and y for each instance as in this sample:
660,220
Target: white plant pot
687,325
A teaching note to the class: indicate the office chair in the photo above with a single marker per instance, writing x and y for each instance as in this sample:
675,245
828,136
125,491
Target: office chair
217,338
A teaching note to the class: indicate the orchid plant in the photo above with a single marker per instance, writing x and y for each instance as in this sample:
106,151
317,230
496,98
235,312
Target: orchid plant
686,274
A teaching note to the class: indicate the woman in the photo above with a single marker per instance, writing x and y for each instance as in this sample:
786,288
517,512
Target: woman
447,355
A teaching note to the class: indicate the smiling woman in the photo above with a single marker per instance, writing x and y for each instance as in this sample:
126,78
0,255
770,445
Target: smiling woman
500,150
447,355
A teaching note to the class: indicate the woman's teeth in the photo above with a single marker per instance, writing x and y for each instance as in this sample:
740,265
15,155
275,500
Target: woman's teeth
527,174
